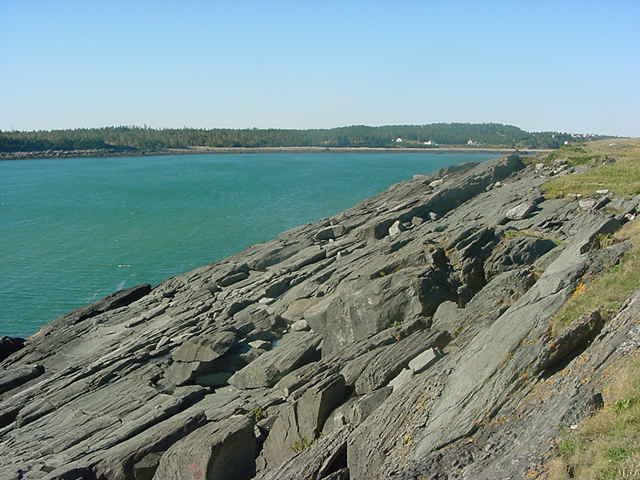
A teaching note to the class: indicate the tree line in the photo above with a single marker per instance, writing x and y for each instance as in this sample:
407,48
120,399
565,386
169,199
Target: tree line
150,139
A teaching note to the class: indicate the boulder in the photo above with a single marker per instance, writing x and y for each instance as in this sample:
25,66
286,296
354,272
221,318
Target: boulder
301,422
447,317
520,211
260,344
324,459
278,287
300,326
202,358
9,345
14,377
424,360
364,307
379,229
331,232
395,228
145,468
181,373
233,278
206,348
294,350
356,410
587,203
220,450
298,379
295,310
257,322
390,360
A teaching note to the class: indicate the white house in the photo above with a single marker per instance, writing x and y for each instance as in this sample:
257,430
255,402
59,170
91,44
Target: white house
470,142
398,140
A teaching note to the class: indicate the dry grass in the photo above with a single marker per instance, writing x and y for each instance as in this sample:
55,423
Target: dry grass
607,445
608,291
621,177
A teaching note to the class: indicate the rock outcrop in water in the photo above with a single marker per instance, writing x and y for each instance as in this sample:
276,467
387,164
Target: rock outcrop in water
404,338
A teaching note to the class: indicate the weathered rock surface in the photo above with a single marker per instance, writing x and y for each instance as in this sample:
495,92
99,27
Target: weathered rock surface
219,450
516,252
14,377
407,337
300,422
295,349
205,348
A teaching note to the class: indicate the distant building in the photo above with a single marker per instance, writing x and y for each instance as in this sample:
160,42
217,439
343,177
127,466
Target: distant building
566,142
398,140
470,142
428,142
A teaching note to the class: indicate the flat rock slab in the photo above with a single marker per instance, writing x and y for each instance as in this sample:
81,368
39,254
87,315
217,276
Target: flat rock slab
205,349
295,349
392,359
401,379
424,360
17,376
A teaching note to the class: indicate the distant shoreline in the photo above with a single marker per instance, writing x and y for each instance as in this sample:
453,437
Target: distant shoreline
52,154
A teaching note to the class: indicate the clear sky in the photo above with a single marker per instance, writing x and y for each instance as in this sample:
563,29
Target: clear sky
542,65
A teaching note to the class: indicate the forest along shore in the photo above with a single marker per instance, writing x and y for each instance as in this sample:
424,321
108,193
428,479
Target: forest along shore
149,141
430,331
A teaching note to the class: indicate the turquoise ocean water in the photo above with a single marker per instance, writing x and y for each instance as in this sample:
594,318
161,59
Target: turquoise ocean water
74,230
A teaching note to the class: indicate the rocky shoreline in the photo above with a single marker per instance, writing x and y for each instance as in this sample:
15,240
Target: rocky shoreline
48,154
407,338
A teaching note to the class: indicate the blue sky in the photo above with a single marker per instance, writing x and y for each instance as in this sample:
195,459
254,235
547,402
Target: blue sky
543,65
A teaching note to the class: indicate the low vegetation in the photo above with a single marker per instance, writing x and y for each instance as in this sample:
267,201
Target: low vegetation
617,168
258,414
514,233
301,445
608,291
606,446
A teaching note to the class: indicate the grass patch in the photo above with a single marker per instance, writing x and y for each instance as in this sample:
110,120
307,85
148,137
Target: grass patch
258,414
301,445
621,177
608,291
606,446
574,154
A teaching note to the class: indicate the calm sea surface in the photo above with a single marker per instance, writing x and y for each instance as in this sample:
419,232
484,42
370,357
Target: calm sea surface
74,230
